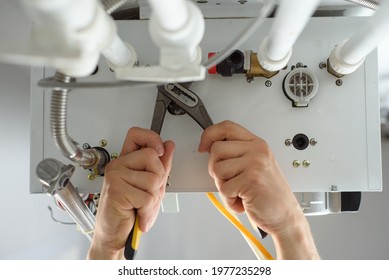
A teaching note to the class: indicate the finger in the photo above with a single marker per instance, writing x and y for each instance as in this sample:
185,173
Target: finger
226,130
235,191
227,169
123,197
143,180
131,198
141,160
147,223
234,203
222,150
167,158
148,213
139,137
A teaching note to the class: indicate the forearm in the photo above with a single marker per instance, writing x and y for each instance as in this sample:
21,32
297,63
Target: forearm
98,251
296,242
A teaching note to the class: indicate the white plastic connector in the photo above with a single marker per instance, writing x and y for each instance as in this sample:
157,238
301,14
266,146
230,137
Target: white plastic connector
180,55
92,40
120,54
101,38
300,86
70,35
338,64
267,62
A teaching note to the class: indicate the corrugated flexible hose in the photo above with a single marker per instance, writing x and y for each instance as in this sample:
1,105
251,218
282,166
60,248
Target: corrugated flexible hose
58,123
371,4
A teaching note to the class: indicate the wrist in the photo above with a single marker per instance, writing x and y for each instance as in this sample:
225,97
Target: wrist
295,240
98,251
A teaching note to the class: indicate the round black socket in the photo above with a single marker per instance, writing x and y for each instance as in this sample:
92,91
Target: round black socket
300,141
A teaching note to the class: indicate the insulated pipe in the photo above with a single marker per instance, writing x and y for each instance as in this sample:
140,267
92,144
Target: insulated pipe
171,15
349,55
291,18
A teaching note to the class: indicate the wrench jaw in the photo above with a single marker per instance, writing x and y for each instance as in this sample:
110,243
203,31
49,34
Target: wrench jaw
188,101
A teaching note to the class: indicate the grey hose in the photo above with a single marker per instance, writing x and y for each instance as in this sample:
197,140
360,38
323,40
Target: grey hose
59,100
371,4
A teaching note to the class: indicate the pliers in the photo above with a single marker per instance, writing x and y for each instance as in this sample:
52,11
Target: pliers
178,99
179,95
172,97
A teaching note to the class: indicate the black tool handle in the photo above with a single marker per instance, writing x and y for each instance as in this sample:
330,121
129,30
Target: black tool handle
131,245
129,252
262,233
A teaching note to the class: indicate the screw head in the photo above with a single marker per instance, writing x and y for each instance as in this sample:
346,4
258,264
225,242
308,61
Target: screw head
306,163
250,80
268,83
85,146
322,65
296,163
339,82
299,65
114,156
91,176
313,142
288,142
103,143
170,86
334,188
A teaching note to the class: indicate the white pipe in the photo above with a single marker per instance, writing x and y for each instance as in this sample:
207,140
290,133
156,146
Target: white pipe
177,37
172,15
346,57
291,18
63,25
368,38
68,14
117,52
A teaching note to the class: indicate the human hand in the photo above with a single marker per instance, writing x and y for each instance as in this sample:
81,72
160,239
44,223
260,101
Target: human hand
136,180
249,179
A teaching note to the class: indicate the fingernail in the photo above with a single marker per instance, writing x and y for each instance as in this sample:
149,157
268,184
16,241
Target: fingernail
160,150
201,149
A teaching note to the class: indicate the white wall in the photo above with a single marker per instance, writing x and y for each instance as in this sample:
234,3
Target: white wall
26,230
198,232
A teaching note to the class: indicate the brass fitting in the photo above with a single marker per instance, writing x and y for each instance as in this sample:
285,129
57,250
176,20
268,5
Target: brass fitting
256,70
332,71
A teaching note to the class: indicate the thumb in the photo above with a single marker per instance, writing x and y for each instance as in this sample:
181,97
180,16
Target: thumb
167,157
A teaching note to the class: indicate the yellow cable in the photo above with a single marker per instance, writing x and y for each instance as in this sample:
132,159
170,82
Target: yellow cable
252,246
239,226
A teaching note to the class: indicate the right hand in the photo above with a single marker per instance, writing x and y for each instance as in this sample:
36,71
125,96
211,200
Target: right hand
136,180
249,179
248,176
